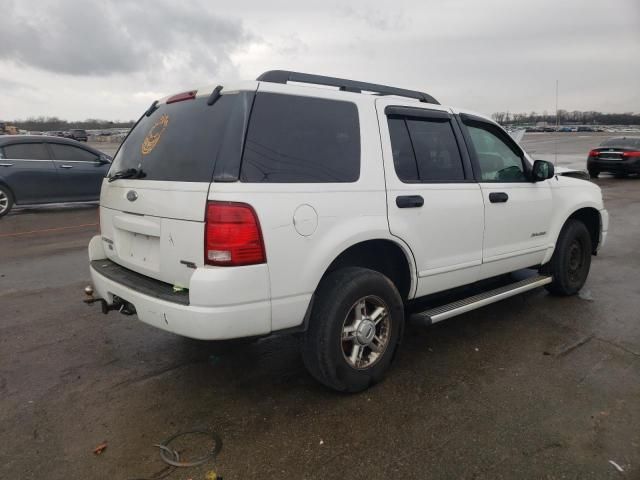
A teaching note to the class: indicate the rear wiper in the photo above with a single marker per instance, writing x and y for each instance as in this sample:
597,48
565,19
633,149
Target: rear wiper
128,173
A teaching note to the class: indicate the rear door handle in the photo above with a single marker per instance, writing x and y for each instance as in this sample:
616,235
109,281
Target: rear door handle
6,164
409,201
66,166
498,197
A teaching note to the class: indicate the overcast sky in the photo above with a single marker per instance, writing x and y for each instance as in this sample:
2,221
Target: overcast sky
111,59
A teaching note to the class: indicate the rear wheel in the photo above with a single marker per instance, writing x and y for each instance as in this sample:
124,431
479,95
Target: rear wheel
6,200
354,329
571,259
594,173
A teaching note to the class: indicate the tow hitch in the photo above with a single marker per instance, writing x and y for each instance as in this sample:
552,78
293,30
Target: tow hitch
119,304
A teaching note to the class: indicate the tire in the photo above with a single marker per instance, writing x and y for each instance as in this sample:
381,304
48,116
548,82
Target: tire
594,173
6,200
371,340
571,259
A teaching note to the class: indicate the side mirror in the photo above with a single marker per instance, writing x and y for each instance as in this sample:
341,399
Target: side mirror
542,170
103,159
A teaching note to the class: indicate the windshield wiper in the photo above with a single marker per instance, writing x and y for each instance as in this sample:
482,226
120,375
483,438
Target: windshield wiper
128,173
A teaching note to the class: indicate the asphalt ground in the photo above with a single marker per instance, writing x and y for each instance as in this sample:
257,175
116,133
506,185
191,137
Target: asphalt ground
534,387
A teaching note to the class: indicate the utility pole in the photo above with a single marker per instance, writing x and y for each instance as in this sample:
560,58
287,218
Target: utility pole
555,144
557,120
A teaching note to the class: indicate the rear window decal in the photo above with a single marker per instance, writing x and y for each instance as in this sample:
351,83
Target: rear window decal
154,134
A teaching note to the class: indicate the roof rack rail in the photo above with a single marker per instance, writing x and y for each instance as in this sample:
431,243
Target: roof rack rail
284,76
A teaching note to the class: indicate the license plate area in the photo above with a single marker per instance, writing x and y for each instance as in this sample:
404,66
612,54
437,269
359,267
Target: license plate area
139,249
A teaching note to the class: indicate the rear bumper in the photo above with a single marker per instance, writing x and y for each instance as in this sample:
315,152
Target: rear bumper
631,165
211,312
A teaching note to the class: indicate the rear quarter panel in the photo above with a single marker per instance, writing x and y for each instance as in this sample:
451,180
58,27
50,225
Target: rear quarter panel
346,213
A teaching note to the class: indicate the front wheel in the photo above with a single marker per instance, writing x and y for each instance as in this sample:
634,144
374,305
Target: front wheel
6,200
571,259
354,329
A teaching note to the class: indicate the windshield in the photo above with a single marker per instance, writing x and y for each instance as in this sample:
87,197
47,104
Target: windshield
179,141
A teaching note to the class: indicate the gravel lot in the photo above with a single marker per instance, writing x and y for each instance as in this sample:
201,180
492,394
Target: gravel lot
532,387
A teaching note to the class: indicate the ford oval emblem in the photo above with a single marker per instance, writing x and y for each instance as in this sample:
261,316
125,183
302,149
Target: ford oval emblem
132,196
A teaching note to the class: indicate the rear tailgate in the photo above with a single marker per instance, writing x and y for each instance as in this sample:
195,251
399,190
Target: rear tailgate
154,225
161,233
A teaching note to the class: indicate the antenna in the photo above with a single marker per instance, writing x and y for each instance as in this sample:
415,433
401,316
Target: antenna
555,143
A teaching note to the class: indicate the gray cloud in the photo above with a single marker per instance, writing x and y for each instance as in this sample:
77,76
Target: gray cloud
6,84
111,58
385,19
94,37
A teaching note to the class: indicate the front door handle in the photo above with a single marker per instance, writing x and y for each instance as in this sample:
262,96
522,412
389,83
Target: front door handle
66,166
6,164
409,201
498,197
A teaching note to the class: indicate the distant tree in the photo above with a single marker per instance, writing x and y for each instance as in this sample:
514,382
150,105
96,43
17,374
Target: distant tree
499,117
574,117
46,124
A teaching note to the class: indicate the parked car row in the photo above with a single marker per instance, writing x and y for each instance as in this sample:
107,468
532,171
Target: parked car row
78,134
564,129
43,169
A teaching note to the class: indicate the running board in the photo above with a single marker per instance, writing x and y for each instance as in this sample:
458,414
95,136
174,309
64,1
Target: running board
471,303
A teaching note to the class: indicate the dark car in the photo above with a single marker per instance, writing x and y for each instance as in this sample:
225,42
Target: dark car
39,169
620,155
78,134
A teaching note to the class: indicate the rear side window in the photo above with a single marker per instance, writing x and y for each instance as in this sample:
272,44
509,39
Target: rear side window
425,150
27,151
180,141
294,139
70,153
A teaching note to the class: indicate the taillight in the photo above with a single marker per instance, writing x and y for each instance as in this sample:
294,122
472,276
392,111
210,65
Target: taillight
232,235
594,153
182,96
631,154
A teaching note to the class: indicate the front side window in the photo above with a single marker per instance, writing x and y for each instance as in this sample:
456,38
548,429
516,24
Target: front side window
425,150
498,161
70,153
295,139
27,151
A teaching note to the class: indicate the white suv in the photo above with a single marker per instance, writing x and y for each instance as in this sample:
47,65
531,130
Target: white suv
322,206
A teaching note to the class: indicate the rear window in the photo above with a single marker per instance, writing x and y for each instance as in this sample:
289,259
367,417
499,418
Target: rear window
295,139
622,142
180,141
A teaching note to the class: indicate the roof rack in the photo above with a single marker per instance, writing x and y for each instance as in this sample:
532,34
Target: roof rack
284,76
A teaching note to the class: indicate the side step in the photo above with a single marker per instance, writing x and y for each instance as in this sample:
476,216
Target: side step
471,303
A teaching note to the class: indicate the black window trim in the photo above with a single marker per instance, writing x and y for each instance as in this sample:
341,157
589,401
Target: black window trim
404,112
465,119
